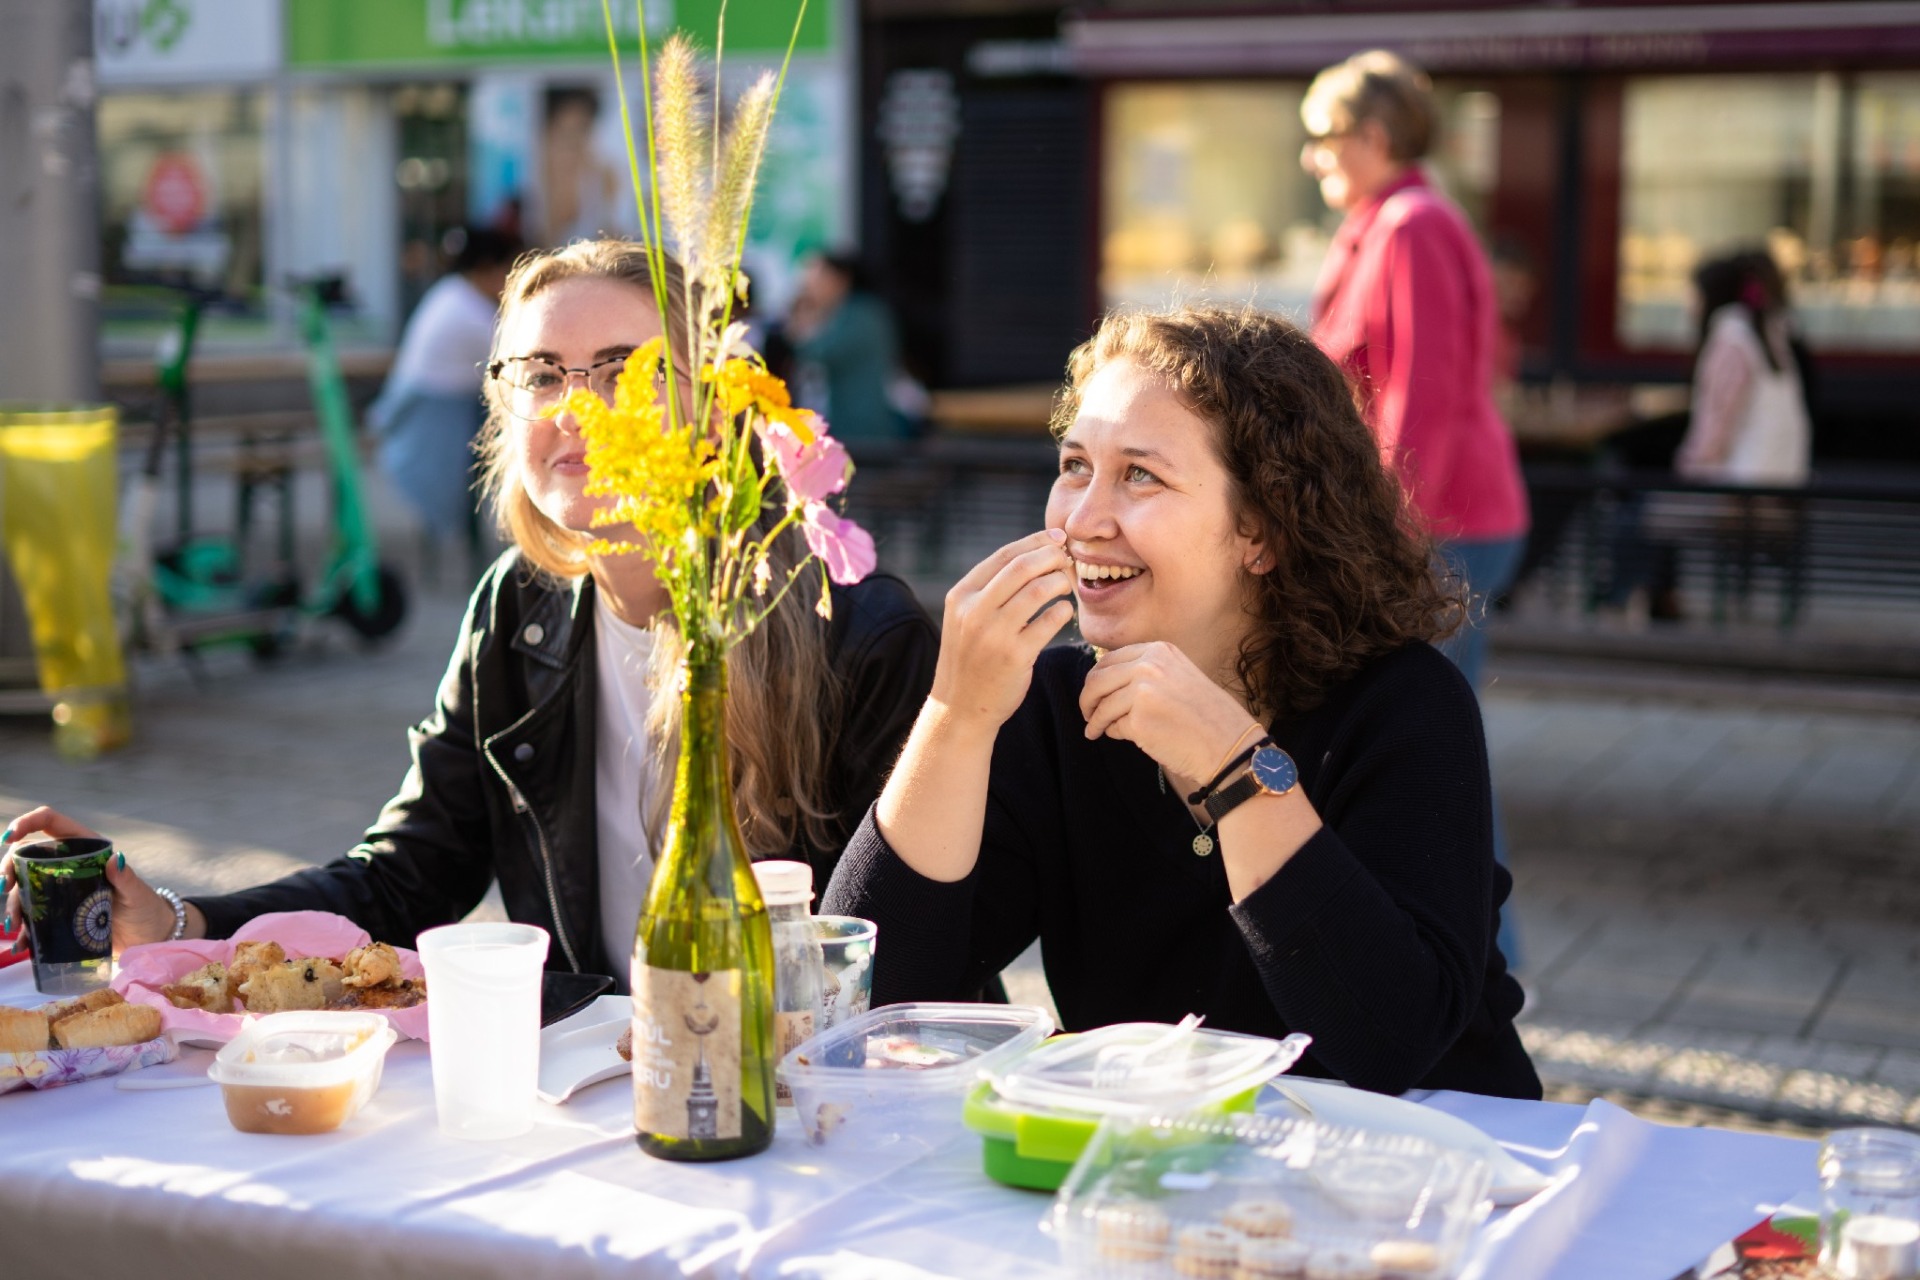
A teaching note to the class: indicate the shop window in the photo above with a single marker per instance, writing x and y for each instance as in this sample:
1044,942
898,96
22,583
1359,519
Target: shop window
431,175
1203,196
181,184
1823,170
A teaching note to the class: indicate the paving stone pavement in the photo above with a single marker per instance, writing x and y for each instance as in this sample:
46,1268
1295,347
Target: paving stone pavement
1717,891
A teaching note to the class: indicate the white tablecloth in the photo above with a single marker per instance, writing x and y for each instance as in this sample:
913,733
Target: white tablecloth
97,1181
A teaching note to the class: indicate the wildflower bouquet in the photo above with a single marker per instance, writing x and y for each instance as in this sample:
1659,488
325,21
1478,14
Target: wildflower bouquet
709,463
701,438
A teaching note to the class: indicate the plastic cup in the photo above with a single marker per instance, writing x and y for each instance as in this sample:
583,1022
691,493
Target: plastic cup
846,953
483,1025
69,909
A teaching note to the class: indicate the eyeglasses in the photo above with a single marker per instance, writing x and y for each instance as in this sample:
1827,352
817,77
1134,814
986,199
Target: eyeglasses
535,386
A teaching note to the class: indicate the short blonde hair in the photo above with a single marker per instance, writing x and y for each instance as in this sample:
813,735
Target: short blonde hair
1382,87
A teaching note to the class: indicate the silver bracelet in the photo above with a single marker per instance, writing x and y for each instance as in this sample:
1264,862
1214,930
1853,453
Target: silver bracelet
179,913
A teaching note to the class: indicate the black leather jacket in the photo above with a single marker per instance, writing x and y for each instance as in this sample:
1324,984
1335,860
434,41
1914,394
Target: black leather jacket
502,782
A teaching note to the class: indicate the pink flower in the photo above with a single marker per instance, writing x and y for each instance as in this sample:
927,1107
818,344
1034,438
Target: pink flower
845,548
812,472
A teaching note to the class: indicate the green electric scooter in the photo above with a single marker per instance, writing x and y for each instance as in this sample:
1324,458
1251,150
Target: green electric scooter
194,593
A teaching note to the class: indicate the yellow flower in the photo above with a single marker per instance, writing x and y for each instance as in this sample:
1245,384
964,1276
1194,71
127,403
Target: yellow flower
657,474
745,385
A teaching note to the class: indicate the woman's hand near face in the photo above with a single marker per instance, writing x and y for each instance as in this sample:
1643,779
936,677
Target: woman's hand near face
998,619
139,914
1153,696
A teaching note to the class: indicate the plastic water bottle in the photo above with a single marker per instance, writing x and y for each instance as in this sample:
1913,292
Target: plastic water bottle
797,962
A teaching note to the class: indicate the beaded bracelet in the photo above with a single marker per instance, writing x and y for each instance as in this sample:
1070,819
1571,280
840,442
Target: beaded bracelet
179,913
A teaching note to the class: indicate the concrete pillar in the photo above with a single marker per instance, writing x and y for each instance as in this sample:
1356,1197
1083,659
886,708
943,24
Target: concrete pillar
49,203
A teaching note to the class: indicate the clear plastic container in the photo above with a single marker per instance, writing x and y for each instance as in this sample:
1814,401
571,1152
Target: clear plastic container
892,1071
1036,1114
1259,1196
306,1072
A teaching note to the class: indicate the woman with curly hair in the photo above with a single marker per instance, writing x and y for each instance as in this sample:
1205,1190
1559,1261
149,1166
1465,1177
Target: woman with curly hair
1260,794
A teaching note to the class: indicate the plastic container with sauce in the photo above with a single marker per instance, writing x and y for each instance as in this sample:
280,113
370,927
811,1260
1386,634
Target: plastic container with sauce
306,1072
900,1070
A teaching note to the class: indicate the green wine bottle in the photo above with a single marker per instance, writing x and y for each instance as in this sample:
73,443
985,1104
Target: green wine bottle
703,1036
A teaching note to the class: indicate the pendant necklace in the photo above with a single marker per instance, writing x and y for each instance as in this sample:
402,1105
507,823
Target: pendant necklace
1202,843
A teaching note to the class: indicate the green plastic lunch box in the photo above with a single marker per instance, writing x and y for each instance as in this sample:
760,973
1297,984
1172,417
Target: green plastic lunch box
1035,1115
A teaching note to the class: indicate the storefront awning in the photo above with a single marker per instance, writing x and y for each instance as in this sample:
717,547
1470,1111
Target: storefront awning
1718,35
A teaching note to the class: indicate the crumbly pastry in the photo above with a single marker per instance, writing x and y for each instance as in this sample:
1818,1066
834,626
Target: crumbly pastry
408,992
282,988
249,958
1259,1218
113,1025
1131,1232
1271,1259
60,1010
330,976
374,965
204,988
23,1030
1340,1264
1206,1252
1406,1257
624,1045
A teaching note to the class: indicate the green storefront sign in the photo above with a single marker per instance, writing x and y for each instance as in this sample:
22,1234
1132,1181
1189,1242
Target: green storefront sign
417,33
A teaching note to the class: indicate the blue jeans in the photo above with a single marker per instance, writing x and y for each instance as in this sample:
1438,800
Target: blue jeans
1487,568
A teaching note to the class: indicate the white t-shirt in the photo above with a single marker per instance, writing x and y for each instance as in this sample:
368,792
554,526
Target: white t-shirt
447,339
625,776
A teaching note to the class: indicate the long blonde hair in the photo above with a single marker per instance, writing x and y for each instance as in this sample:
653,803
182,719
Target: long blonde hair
784,703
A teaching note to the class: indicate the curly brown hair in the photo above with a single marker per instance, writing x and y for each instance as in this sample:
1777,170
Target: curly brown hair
1354,575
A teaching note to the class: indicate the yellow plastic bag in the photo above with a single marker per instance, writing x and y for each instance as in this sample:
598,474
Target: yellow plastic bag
59,492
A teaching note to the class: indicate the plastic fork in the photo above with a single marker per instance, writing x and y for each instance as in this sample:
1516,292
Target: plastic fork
1113,1067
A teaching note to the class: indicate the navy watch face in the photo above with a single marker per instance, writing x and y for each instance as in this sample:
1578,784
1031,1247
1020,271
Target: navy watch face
1274,770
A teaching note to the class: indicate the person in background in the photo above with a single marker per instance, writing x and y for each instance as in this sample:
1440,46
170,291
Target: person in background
845,350
1749,419
1406,306
430,410
580,194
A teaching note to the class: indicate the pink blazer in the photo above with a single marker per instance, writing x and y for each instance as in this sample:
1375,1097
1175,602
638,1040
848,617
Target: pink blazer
1405,305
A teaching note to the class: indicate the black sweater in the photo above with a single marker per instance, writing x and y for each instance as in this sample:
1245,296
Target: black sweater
1376,938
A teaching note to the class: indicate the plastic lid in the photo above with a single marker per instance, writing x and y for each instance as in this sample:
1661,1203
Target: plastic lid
784,884
936,1047
1138,1065
303,1049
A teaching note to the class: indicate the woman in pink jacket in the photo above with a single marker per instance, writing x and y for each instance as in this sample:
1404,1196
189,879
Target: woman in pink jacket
1405,304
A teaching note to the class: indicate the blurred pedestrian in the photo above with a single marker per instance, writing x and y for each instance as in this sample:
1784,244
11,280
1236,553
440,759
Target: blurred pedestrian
430,410
1406,306
846,351
1749,423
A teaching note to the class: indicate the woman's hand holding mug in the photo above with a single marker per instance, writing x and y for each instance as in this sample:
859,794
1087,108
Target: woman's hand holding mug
139,914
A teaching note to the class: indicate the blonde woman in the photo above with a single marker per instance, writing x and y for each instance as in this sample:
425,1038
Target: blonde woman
547,760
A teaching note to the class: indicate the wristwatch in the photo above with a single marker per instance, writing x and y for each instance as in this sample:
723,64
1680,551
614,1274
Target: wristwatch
1271,772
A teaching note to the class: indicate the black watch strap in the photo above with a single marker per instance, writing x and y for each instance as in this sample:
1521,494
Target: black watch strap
1270,772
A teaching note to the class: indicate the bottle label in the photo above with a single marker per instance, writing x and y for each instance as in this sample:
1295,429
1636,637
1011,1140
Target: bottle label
686,1052
790,1030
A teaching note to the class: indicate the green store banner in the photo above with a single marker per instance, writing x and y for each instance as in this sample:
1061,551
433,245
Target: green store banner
419,33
